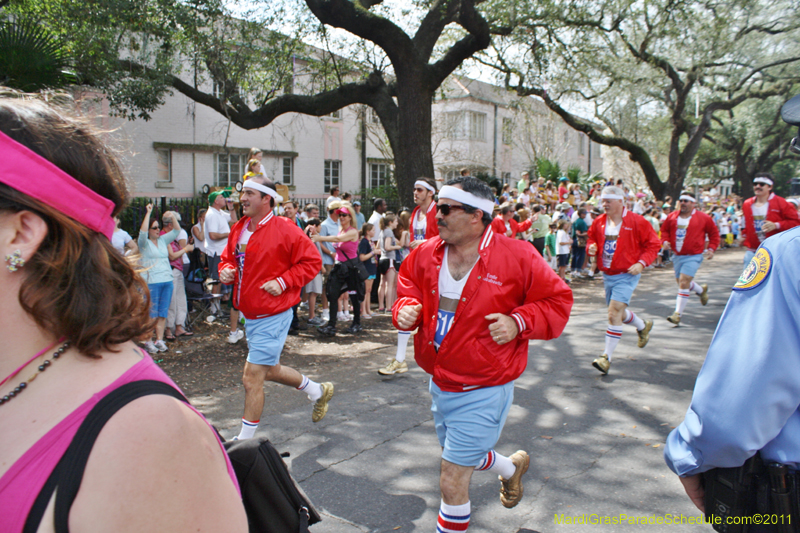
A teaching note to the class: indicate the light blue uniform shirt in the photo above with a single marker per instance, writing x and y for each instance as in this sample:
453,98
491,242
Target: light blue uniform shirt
155,259
327,228
747,394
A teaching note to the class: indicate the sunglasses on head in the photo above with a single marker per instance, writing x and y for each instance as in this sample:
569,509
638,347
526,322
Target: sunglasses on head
445,209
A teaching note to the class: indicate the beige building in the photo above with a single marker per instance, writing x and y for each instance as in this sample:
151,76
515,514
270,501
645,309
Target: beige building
186,145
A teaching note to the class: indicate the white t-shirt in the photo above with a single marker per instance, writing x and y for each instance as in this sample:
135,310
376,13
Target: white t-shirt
330,200
680,231
610,244
420,226
563,236
241,247
199,244
449,295
182,235
375,220
215,223
759,217
120,239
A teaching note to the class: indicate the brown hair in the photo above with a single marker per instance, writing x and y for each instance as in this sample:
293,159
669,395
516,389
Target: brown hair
76,285
386,220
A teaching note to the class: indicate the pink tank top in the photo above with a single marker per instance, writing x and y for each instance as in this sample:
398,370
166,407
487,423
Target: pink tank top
350,248
21,484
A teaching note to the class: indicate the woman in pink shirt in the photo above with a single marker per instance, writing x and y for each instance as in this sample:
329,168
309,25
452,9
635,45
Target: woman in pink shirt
72,309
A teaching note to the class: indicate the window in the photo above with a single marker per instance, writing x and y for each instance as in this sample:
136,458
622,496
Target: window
507,130
466,125
336,114
451,175
287,170
228,169
333,171
378,175
163,165
506,176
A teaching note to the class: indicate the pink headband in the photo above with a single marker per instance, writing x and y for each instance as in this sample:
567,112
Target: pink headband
29,173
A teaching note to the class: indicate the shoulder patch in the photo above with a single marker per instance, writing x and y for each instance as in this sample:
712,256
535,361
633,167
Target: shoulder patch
756,271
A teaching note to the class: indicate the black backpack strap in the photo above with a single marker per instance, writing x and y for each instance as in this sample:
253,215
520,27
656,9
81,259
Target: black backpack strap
68,474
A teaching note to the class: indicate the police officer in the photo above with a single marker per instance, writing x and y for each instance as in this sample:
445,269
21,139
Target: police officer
747,394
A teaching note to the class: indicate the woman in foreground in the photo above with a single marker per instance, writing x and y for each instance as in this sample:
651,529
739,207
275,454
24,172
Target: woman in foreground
72,308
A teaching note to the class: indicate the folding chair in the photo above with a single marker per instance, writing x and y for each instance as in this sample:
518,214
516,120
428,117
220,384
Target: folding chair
197,296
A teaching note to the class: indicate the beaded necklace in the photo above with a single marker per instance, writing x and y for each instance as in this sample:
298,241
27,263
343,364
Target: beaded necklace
41,368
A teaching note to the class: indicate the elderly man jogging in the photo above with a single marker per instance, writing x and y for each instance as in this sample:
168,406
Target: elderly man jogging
684,232
477,298
626,243
269,259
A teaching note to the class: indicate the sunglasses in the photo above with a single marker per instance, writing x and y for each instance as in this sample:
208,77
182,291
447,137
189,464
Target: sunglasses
759,185
155,228
445,209
343,215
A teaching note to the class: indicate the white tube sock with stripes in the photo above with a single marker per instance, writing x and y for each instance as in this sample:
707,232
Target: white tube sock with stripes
402,344
631,318
498,464
681,300
453,518
613,335
312,388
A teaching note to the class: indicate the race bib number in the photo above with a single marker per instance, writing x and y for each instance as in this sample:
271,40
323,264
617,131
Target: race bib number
444,318
758,222
609,247
680,236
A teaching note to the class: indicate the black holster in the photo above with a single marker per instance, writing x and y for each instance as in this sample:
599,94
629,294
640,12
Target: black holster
752,489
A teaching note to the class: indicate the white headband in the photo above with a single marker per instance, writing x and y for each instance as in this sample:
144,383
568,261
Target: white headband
466,198
425,185
686,197
250,184
763,179
609,196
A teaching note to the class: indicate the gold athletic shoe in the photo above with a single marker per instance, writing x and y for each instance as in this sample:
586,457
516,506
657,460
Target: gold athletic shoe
511,489
704,294
675,318
321,406
602,364
644,335
394,367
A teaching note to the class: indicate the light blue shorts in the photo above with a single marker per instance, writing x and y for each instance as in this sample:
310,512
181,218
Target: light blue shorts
620,287
266,337
686,264
469,424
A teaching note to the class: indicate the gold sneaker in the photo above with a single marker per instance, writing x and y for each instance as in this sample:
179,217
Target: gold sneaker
511,489
394,367
602,364
675,318
704,294
321,406
644,335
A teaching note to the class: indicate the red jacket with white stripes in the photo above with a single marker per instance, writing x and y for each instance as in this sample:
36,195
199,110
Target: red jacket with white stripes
637,242
277,250
432,228
779,211
511,278
499,226
694,243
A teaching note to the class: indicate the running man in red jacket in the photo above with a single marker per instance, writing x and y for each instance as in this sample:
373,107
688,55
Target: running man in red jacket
684,232
504,222
766,214
626,243
423,227
477,298
269,259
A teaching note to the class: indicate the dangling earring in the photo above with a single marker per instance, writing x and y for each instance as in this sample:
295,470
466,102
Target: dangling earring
15,261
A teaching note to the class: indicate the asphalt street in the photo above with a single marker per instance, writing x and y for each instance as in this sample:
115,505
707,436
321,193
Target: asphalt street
596,443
